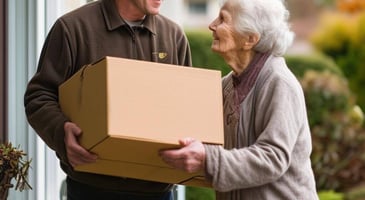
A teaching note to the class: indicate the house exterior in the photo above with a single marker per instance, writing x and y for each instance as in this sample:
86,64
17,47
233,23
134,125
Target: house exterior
191,14
24,25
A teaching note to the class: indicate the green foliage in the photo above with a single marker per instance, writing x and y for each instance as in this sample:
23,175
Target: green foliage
335,35
330,195
299,64
199,193
338,139
342,37
202,55
325,2
338,156
326,94
356,193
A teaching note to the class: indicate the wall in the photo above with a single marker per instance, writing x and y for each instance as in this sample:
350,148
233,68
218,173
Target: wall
29,22
3,85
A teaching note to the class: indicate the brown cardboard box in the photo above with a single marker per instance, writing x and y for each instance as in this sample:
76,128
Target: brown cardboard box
129,110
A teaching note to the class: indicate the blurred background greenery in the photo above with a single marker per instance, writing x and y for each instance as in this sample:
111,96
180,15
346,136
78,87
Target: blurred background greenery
328,58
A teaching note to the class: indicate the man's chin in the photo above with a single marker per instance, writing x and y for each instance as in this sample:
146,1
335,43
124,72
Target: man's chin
154,12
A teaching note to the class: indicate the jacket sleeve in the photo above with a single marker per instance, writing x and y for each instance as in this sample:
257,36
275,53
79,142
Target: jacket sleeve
279,114
184,52
41,96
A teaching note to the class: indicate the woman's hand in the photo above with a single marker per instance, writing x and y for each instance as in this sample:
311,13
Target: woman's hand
76,154
190,157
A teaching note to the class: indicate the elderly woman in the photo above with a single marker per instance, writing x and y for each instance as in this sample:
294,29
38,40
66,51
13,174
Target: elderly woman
267,147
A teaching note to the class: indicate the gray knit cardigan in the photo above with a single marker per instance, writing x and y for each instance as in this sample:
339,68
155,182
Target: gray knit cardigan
272,161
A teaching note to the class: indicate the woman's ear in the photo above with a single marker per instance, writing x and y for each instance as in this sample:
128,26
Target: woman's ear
250,41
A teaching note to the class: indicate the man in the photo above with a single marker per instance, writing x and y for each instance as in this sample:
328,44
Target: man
121,28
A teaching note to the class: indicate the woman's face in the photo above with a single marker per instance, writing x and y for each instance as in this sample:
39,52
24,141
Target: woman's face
225,37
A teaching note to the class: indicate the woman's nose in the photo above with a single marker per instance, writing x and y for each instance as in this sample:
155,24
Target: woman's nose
212,26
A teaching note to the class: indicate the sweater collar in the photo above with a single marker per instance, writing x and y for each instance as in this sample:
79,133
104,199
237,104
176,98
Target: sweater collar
246,80
114,21
252,69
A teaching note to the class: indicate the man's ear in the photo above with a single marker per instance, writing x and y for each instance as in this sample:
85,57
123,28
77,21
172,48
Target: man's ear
251,40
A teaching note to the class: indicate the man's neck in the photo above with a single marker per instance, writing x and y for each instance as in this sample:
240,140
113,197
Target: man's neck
128,11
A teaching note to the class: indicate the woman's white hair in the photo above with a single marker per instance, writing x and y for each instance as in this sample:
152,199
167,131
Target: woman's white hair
269,19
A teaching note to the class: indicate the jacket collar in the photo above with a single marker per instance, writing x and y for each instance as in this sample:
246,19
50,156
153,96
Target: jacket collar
114,21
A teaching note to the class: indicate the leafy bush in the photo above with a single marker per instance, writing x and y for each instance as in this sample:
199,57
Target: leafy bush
356,193
342,37
338,156
325,94
338,140
335,34
299,64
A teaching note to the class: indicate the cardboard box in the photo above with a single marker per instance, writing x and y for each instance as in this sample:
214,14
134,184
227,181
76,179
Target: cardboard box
129,110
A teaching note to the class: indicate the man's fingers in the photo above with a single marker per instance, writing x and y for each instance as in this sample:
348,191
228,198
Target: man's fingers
81,157
76,154
72,128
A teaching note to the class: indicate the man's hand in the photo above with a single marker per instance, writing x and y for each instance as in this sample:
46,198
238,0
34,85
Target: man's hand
76,154
190,157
